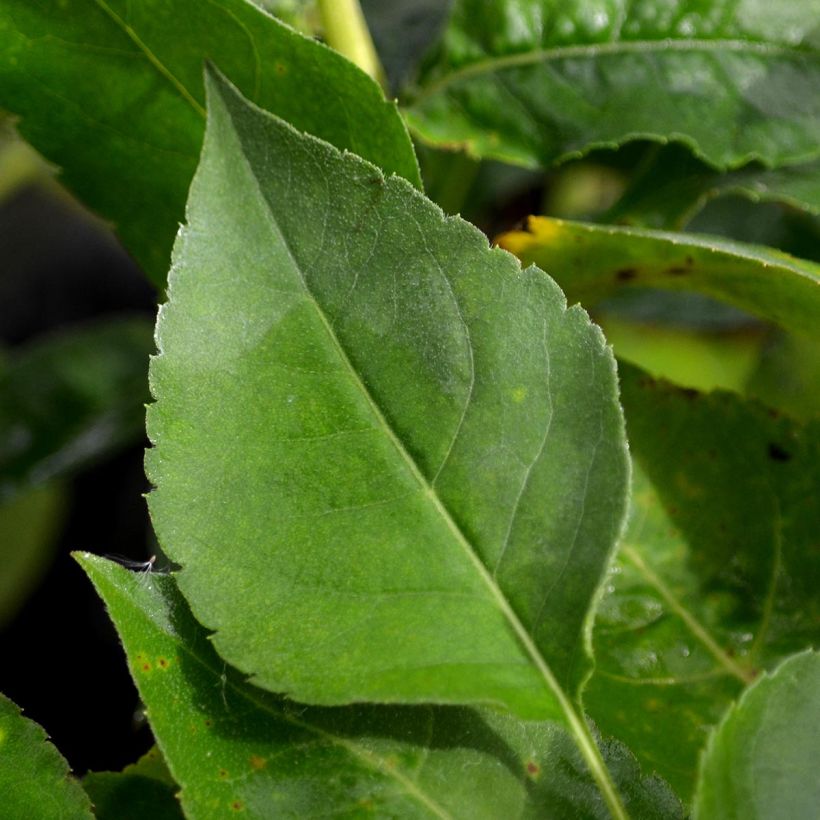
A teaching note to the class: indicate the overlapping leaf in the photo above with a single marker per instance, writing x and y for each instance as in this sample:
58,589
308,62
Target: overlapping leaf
234,748
594,261
536,81
717,572
112,91
761,761
34,777
389,461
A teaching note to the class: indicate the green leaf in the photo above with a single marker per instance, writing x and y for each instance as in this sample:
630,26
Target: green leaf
34,777
591,262
672,186
537,81
143,790
716,574
415,450
762,760
112,91
29,524
94,378
232,746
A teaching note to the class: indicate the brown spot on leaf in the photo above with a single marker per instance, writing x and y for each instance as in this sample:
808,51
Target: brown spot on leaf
223,774
237,805
280,68
533,769
163,663
258,762
626,274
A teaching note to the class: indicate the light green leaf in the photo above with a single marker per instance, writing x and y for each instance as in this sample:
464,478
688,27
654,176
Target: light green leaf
591,262
537,81
34,777
716,574
112,91
404,450
761,762
143,790
234,747
94,378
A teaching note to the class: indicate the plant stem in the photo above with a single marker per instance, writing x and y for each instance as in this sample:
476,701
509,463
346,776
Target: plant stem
346,30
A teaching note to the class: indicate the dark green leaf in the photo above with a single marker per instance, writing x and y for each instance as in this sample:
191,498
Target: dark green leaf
70,398
141,791
537,81
762,760
717,572
112,91
29,523
591,262
403,450
34,777
234,747
674,186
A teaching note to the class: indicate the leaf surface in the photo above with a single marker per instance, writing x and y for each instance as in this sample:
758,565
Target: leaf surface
673,186
233,747
716,574
34,777
762,759
537,81
70,398
142,790
591,262
403,449
112,91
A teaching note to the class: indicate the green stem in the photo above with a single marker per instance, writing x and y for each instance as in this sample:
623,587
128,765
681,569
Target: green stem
346,30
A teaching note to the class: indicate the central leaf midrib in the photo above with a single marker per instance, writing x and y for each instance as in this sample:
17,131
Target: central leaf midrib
578,728
591,50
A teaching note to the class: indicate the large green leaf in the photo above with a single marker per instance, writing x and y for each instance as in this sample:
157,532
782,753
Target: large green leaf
70,398
717,573
537,81
112,91
594,261
232,746
34,777
402,449
761,762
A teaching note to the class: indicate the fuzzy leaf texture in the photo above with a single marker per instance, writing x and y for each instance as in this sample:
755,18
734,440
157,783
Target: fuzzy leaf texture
761,762
538,81
34,777
111,91
402,451
236,750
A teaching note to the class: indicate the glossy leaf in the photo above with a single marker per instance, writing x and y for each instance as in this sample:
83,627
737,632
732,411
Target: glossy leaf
233,747
591,262
34,777
673,186
143,790
537,81
417,500
112,91
716,574
762,760
71,398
